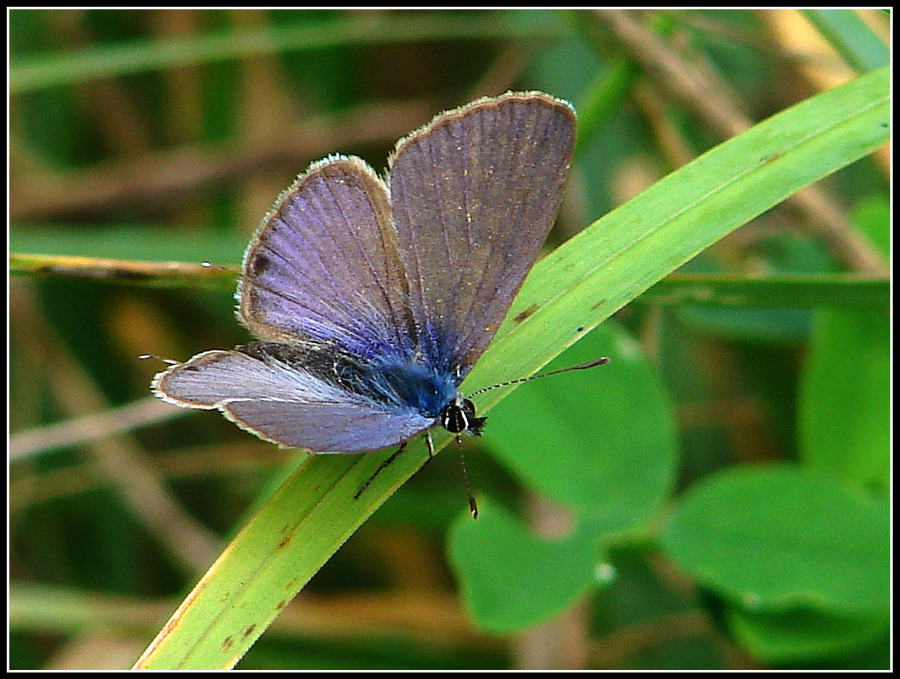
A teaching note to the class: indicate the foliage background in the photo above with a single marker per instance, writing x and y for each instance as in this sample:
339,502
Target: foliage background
165,135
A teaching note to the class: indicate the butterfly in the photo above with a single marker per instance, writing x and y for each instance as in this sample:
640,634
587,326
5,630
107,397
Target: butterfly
373,298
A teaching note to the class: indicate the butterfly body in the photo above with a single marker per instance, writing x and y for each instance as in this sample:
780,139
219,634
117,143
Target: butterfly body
373,298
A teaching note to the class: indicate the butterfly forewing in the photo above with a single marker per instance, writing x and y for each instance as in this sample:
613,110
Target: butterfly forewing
324,264
474,195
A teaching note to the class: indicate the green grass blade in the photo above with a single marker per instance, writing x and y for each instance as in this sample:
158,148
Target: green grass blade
851,37
153,54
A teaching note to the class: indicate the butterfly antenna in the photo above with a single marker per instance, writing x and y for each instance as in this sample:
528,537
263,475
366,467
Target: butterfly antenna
582,366
473,506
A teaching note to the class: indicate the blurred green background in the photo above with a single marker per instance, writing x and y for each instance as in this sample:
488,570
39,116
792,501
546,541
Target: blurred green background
156,136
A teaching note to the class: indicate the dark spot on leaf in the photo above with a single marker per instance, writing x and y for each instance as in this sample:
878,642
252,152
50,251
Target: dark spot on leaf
525,313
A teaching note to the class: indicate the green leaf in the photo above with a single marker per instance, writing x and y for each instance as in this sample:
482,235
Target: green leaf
568,293
267,563
624,253
798,291
140,243
802,636
576,439
845,397
845,391
772,539
601,442
512,579
872,216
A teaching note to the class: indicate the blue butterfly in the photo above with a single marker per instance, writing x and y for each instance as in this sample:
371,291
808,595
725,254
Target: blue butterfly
372,299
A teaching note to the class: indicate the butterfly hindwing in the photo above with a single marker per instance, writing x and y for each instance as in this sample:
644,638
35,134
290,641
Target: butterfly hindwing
267,393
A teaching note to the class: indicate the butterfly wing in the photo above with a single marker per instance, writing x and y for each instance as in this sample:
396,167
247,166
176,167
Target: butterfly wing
285,403
324,265
474,194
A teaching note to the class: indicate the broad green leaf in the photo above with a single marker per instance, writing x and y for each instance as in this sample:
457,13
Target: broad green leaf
601,442
845,397
845,393
511,578
803,636
872,216
772,539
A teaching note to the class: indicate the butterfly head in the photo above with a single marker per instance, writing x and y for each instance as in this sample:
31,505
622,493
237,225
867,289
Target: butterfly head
459,416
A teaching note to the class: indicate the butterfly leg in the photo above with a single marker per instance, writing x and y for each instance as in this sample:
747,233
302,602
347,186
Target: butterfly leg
382,466
430,445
